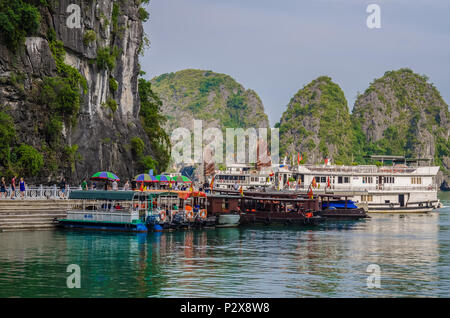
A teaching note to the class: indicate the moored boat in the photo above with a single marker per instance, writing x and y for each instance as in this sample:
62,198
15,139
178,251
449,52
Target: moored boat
106,211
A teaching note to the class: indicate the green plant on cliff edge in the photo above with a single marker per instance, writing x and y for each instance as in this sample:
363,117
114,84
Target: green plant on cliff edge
7,138
29,160
18,19
106,59
89,36
152,121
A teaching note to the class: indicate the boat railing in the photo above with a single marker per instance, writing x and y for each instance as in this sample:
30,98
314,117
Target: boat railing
369,188
360,169
111,215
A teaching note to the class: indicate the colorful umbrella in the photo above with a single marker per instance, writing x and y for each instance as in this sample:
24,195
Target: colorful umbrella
104,175
181,179
145,178
163,178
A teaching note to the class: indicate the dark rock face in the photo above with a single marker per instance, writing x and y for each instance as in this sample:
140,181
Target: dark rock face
102,135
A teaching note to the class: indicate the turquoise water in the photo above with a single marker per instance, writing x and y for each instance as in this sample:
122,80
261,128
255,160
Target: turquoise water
413,252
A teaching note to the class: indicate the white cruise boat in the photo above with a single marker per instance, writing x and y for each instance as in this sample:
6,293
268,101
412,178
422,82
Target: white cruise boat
397,188
237,175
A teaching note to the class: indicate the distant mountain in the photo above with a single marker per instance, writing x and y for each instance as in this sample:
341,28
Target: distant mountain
215,98
317,123
402,113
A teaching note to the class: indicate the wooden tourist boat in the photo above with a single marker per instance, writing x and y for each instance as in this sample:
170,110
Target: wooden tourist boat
177,209
330,207
225,210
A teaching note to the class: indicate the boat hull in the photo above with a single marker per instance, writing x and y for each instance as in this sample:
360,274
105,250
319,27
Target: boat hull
228,220
279,218
103,226
344,214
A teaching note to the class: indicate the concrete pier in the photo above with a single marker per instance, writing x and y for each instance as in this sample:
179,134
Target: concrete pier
31,214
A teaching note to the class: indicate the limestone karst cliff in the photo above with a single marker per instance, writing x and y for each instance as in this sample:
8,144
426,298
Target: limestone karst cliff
69,90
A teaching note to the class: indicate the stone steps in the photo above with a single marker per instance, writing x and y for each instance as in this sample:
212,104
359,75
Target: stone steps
32,214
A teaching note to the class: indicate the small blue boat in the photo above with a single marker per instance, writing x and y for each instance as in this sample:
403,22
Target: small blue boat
339,205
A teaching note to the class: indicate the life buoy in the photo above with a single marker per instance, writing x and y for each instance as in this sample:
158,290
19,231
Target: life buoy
162,215
308,215
203,214
190,214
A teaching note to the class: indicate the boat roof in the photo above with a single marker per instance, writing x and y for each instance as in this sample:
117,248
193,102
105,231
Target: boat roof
101,195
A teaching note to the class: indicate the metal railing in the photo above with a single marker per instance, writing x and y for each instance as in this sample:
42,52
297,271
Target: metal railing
39,193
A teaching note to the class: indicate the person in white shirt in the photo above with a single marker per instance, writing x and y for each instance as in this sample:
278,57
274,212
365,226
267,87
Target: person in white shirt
115,187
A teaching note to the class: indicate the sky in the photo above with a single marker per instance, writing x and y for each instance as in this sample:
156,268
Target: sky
277,47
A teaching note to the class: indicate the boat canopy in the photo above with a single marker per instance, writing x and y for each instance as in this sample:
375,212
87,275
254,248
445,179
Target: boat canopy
102,195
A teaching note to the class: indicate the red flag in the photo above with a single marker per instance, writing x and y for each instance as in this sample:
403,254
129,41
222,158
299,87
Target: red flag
301,158
142,187
310,193
212,183
241,191
326,160
314,184
288,183
328,183
298,158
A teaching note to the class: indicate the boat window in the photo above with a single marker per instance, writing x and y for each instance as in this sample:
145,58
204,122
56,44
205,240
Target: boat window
346,180
339,179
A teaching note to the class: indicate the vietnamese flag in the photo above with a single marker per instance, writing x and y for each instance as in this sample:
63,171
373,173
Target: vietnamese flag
314,182
241,191
299,180
142,187
298,158
310,193
328,183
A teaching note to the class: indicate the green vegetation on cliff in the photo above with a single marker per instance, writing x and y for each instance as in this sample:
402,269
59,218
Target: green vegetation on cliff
18,19
402,113
152,121
215,98
317,123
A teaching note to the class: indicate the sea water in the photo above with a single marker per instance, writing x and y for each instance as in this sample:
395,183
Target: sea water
412,252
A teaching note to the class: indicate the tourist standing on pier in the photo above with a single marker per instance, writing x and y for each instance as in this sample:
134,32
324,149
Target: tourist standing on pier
22,187
84,185
115,186
13,187
126,186
3,188
63,187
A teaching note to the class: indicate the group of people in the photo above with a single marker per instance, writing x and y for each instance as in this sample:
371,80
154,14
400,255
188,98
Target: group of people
13,188
108,185
22,187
